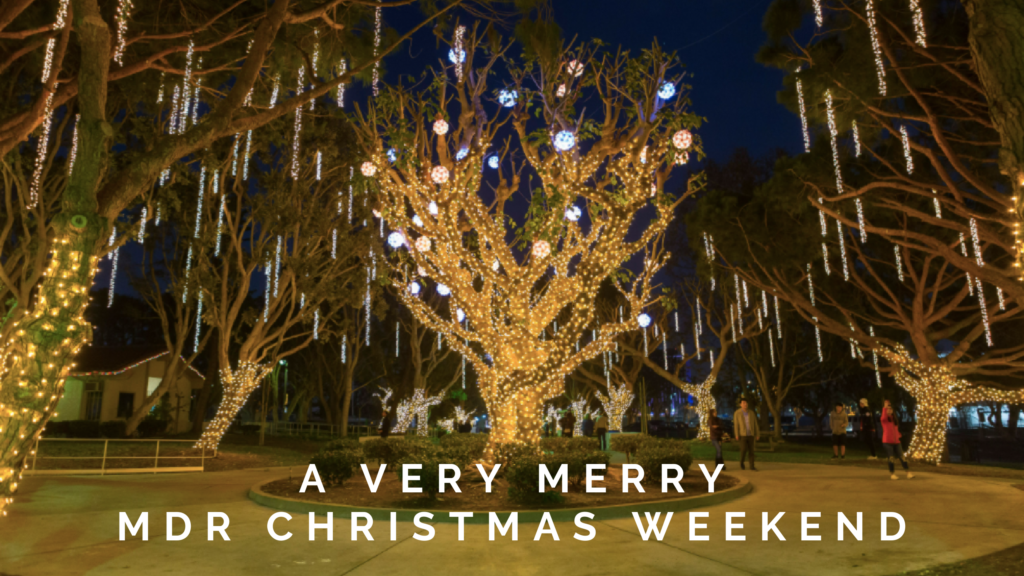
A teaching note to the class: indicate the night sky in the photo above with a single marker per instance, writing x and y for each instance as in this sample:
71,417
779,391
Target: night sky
717,41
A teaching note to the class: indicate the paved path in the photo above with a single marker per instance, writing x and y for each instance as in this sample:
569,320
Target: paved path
69,526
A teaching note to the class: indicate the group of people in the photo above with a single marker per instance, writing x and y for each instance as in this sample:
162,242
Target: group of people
589,426
747,431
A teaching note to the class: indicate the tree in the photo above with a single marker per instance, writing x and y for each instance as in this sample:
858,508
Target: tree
498,273
114,167
898,260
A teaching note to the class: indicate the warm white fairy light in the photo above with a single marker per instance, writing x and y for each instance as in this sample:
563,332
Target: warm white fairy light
195,99
696,338
818,18
899,261
113,271
172,124
976,243
368,169
817,338
41,148
459,51
746,299
186,87
74,145
999,296
771,347
220,223
199,322
778,318
366,304
906,149
298,130
277,265
834,134
984,310
861,222
920,39
234,154
376,49
700,330
856,141
736,281
824,259
124,8
937,204
142,224
267,272
317,165
245,162
275,91
876,47
760,322
842,251
316,324
344,348
615,405
343,68
156,221
803,114
541,249
188,272
732,320
853,344
199,202
810,284
874,358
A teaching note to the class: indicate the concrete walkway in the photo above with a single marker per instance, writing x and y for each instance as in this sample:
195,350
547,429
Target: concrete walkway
70,526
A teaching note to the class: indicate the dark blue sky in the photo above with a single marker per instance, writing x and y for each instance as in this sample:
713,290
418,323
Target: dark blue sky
717,41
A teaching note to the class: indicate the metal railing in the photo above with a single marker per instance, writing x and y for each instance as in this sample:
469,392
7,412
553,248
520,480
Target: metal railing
315,429
107,455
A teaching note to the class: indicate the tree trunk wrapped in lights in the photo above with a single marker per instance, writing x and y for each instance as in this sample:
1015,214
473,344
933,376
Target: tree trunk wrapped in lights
937,391
512,285
615,405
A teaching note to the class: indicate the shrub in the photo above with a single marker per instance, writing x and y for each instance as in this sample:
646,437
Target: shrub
629,443
523,476
57,429
393,450
83,429
114,429
335,466
651,456
343,444
554,444
428,473
151,427
577,461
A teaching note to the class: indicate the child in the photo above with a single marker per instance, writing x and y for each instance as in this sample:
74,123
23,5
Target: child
891,441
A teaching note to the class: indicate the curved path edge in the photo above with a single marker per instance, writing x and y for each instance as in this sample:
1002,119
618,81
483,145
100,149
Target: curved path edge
256,494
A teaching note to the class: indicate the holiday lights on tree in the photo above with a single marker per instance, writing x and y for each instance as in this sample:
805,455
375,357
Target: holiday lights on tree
525,367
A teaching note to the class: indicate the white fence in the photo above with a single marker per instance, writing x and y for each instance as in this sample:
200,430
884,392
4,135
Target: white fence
152,465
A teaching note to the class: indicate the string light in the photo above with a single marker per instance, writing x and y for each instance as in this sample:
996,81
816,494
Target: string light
275,91
457,55
874,358
999,296
41,150
824,253
771,348
74,145
818,19
267,272
899,261
245,162
803,114
298,129
312,73
277,264
343,66
963,250
920,39
316,324
220,224
199,201
188,272
856,141
317,165
876,47
616,404
199,322
113,274
810,283
976,243
142,225
834,133
817,337
938,205
376,49
565,140
906,149
344,348
984,311
236,386
842,250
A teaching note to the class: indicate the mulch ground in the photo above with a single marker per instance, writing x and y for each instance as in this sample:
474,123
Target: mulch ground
1008,562
355,492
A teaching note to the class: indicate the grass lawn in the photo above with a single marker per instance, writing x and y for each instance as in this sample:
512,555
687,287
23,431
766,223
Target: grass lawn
1009,562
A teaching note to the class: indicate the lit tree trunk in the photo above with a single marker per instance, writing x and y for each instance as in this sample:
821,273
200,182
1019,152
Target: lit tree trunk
47,339
705,403
517,413
237,385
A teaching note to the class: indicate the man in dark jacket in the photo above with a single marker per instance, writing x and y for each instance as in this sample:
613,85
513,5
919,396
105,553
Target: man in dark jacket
588,426
867,427
568,422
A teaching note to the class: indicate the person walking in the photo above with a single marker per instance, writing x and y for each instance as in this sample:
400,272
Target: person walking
867,428
602,431
891,441
839,420
385,425
747,432
715,425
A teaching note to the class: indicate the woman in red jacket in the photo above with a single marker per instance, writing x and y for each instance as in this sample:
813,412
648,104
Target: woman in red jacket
891,441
